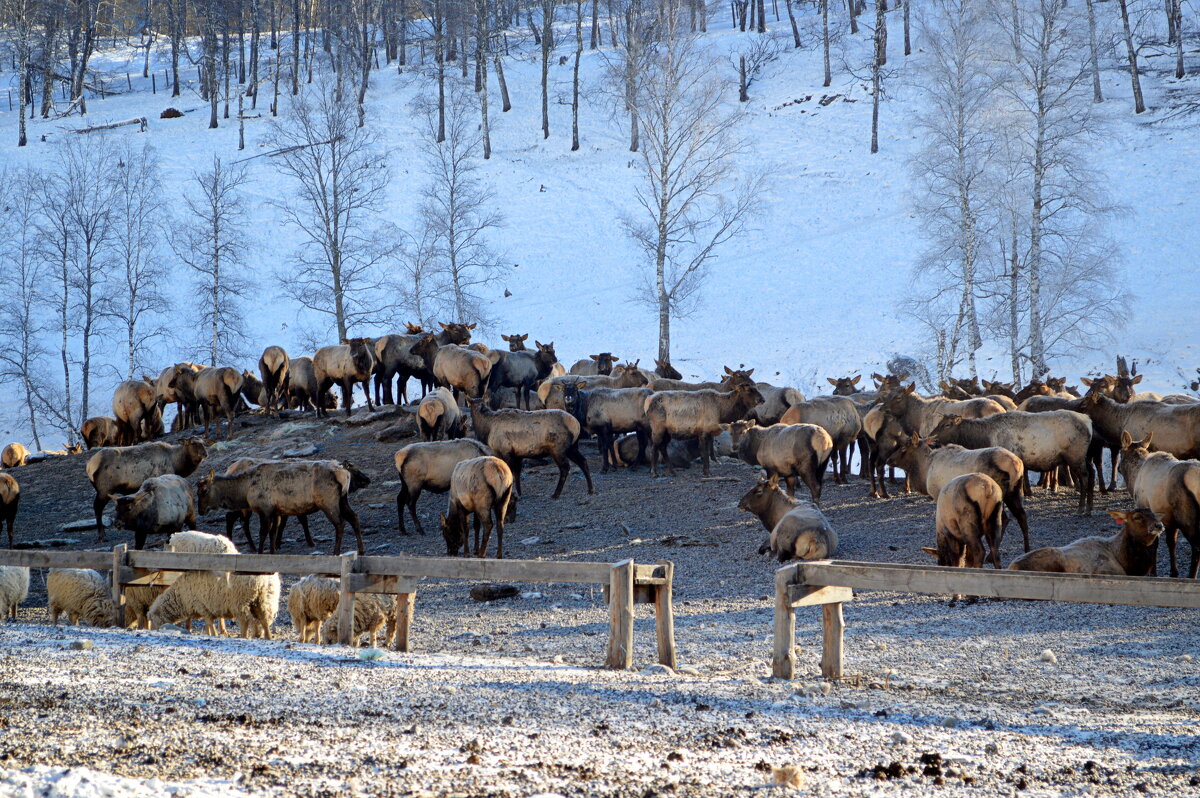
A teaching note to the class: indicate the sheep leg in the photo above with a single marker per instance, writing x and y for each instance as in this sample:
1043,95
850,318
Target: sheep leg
98,505
576,457
563,468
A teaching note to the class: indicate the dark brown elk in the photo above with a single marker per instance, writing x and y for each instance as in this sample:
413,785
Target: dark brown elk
839,417
920,415
1043,441
929,469
514,435
273,367
121,470
396,358
695,414
135,404
481,487
429,466
864,402
10,498
516,343
350,363
1034,388
594,365
797,530
608,412
663,368
884,436
1130,552
253,391
970,512
522,371
845,386
787,451
13,455
162,505
302,384
217,390
1169,487
438,416
100,431
274,490
458,368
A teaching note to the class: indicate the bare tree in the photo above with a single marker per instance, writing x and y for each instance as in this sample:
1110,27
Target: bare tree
547,45
575,76
339,174
753,60
1097,94
210,239
689,200
455,211
18,17
1138,104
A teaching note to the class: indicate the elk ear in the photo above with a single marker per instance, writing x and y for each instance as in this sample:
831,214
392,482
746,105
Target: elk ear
857,377
916,439
1149,437
504,337
594,357
831,381
1126,439
748,373
522,337
1119,517
773,481
1136,380
1086,381
444,325
931,552
470,326
727,371
911,388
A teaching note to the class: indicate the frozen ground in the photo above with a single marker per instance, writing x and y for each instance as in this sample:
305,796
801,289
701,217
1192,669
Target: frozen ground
811,293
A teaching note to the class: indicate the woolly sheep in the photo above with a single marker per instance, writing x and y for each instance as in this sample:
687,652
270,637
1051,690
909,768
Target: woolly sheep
370,613
14,587
251,600
81,594
310,602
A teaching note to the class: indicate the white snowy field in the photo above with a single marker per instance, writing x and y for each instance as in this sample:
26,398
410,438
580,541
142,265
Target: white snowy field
812,292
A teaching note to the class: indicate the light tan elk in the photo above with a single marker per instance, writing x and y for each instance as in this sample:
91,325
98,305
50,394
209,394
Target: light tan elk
273,367
217,390
481,487
920,415
787,451
695,414
1130,552
438,416
458,368
970,512
514,435
302,384
13,455
10,498
135,405
121,470
838,416
344,365
594,365
1169,487
100,431
429,466
796,529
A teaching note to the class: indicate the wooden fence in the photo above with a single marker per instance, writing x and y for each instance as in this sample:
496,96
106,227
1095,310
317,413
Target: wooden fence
830,583
626,582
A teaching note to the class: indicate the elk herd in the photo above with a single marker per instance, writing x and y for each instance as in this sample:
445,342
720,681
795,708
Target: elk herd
482,413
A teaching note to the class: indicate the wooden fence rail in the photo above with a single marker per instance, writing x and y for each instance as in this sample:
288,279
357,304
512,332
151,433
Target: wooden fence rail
626,583
830,583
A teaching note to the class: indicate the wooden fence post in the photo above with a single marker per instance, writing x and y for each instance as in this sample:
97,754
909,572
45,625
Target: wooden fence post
783,656
346,600
620,607
833,625
405,603
118,592
664,617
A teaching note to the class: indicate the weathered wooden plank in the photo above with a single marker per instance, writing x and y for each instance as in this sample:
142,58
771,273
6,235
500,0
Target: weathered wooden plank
783,652
1127,590
620,640
136,576
664,617
833,626
488,570
346,600
118,592
405,606
651,574
809,596
374,583
44,558
237,563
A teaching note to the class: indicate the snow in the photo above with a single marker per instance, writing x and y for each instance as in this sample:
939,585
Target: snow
811,293
41,781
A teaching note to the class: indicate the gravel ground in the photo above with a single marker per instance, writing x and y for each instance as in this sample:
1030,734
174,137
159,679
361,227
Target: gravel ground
992,698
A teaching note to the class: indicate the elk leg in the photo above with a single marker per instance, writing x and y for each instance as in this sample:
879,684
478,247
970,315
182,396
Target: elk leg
1171,535
705,451
1025,484
563,469
604,436
412,508
308,538
347,396
643,438
265,522
347,512
499,534
366,386
576,457
515,467
1013,502
98,505
1082,474
475,520
1114,455
790,481
1195,566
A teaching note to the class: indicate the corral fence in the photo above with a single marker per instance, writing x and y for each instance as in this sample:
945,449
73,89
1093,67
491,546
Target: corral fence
626,583
830,583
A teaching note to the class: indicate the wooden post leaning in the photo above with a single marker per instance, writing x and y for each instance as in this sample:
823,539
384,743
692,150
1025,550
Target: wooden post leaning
664,615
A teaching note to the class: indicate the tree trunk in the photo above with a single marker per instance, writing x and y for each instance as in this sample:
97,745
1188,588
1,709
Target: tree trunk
595,41
1138,105
547,32
295,48
853,8
1014,288
575,76
1097,94
1178,14
795,29
439,43
743,96
505,105
825,41
50,55
255,37
907,40
1037,346
481,40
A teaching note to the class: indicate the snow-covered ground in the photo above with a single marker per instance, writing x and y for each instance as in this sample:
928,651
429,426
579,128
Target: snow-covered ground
813,292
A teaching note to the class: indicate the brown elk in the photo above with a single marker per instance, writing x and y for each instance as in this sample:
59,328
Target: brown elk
273,366
10,498
351,362
970,512
429,466
100,431
920,415
516,343
789,451
481,487
1169,487
135,404
607,412
593,365
161,506
396,358
522,371
14,455
663,368
1130,552
458,368
696,414
438,416
514,435
122,470
217,390
797,530
839,417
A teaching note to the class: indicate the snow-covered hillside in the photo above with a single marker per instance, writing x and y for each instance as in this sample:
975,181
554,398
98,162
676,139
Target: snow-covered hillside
811,293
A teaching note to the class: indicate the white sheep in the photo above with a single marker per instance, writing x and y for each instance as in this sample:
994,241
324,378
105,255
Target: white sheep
14,587
80,593
310,602
138,599
200,543
371,611
251,600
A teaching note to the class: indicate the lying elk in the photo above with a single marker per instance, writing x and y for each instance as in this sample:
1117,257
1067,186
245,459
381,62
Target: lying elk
351,362
796,529
1130,552
697,414
1169,487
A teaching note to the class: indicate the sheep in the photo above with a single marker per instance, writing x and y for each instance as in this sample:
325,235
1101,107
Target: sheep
920,415
521,371
839,417
970,510
162,505
609,411
138,601
302,384
273,490
456,367
514,435
100,431
253,601
429,466
310,602
273,368
134,404
695,414
797,529
1130,552
14,587
1043,441
438,416
13,455
122,470
929,469
82,594
1170,488
351,362
10,498
516,343
371,612
215,389
593,365
785,450
483,487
